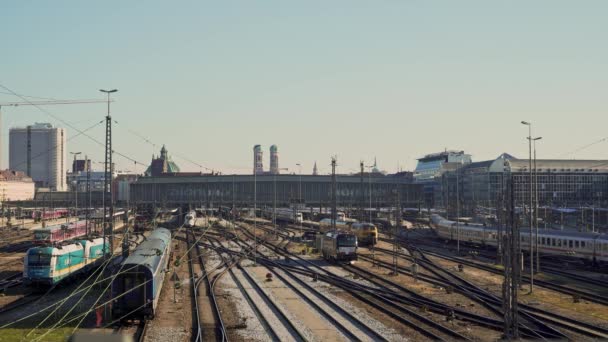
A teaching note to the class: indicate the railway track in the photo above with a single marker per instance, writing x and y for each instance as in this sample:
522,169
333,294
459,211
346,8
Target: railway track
11,281
540,322
17,247
543,319
253,300
349,325
550,264
372,297
204,295
590,296
136,331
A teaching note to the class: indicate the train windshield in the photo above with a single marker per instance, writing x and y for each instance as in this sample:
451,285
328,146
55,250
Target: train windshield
39,259
347,241
42,235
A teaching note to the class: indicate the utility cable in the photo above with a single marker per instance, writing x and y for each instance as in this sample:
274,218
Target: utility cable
105,264
148,141
108,286
583,147
66,123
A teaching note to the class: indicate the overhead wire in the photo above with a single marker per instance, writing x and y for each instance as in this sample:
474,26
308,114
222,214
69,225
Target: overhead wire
55,326
148,141
105,290
66,123
33,97
88,288
583,147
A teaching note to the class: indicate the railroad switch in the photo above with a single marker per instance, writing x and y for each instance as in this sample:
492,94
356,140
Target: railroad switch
268,276
460,267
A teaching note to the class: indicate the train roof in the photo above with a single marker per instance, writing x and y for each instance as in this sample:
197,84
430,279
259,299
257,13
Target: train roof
148,252
363,224
57,226
62,249
546,232
338,222
48,228
566,233
335,233
97,240
526,230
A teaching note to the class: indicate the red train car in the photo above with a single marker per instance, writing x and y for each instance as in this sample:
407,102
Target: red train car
60,232
49,214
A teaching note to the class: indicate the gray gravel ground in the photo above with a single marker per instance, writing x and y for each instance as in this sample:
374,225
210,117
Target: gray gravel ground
265,311
165,334
351,325
254,330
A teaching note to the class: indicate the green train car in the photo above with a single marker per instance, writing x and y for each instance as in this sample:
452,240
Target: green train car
48,265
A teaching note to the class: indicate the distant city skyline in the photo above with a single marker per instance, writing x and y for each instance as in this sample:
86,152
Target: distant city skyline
392,80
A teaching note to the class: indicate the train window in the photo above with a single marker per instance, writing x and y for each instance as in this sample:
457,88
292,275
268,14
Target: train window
582,244
559,243
570,244
576,244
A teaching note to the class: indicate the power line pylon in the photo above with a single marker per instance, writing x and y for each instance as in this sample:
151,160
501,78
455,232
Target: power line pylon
108,201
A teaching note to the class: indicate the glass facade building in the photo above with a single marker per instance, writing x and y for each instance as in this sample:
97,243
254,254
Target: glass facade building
430,169
559,184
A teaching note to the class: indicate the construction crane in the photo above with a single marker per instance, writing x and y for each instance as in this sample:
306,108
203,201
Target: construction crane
45,103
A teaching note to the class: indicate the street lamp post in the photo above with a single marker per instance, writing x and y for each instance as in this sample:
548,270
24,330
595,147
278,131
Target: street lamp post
458,208
255,216
530,245
274,201
75,183
536,207
369,177
300,195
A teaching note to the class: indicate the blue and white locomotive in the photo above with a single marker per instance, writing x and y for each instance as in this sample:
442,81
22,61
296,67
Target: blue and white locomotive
48,265
137,286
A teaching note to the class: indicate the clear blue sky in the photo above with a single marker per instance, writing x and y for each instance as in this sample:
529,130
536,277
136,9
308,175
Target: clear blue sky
393,79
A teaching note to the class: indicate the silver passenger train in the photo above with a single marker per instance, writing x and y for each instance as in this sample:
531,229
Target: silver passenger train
591,247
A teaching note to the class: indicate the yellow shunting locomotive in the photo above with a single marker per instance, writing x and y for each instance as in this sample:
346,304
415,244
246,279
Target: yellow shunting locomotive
367,233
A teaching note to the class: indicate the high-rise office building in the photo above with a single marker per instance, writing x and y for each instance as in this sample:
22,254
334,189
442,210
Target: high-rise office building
39,151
